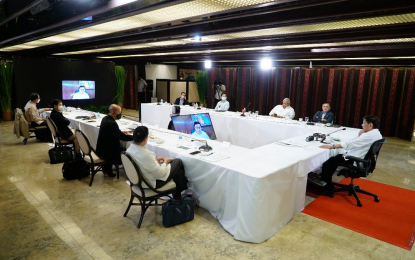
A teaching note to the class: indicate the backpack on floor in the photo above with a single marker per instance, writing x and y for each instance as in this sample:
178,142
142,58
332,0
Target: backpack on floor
76,169
176,212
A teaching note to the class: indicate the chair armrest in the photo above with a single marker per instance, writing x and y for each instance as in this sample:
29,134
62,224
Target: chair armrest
356,159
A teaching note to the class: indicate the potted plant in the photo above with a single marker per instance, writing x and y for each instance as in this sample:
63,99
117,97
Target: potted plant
120,77
6,75
201,86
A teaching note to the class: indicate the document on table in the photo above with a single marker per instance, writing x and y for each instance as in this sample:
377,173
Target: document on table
291,143
214,157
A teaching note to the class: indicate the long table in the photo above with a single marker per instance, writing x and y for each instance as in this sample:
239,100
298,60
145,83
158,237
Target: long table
254,192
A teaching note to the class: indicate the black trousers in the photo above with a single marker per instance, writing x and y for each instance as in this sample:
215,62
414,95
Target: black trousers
141,99
177,175
329,168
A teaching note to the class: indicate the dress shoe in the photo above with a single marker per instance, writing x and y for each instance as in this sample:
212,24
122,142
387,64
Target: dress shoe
315,179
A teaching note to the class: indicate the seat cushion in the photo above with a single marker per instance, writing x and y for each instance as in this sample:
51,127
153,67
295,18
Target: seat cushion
94,157
149,193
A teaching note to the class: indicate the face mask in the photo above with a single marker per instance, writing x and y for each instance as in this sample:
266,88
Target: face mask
118,116
224,98
60,108
38,100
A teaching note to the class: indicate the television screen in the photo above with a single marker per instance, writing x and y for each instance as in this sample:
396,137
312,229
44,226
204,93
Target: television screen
197,125
78,89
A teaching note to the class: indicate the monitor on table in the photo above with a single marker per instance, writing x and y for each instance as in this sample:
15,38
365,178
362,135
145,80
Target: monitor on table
197,125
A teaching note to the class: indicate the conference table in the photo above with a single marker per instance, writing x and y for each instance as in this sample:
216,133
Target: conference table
253,190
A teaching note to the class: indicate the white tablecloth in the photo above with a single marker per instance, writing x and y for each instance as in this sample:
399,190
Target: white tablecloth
254,192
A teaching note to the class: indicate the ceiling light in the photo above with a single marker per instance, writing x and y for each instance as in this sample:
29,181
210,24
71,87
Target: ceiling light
208,64
266,63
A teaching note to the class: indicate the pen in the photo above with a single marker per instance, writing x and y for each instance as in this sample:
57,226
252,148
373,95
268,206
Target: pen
209,154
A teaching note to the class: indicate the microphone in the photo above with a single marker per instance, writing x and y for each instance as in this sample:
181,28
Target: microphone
206,147
244,110
336,131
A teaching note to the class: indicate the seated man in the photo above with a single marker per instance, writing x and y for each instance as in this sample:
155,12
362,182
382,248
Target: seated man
181,100
357,147
81,94
32,114
199,132
158,171
223,104
62,123
283,110
324,116
108,145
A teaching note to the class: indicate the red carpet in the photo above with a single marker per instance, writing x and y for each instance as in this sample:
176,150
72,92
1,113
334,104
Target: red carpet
391,220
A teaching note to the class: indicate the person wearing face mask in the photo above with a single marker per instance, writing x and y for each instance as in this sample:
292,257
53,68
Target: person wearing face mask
181,100
32,114
62,123
222,105
109,137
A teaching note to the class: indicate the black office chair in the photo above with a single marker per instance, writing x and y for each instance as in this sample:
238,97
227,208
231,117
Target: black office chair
363,168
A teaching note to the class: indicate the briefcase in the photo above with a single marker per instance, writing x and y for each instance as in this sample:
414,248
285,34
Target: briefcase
176,212
60,155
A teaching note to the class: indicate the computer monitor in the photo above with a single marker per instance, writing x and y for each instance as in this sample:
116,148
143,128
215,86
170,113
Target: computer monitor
78,89
198,125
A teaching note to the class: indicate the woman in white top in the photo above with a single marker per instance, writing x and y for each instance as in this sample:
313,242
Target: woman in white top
158,171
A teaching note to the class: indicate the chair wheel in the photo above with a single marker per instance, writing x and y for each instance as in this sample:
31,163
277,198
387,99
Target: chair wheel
377,199
359,204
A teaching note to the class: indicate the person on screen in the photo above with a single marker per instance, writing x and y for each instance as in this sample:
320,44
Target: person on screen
81,94
222,105
324,116
199,132
158,171
181,100
109,137
283,110
62,123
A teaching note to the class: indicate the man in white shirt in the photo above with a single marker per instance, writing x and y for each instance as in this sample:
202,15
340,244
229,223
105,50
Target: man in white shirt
284,110
81,94
199,132
219,89
32,114
222,105
142,85
357,147
158,171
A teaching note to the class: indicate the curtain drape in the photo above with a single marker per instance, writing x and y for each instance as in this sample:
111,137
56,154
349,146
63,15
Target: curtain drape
352,92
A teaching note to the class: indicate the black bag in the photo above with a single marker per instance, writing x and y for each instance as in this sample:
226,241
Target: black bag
59,155
76,169
176,212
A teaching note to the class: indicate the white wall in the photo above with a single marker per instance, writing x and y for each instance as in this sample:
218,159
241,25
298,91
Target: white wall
155,72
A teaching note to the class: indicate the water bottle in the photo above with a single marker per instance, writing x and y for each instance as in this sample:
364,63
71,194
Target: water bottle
64,108
98,115
161,101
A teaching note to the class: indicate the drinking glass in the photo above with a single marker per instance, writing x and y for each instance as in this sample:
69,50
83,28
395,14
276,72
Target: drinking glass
306,119
256,114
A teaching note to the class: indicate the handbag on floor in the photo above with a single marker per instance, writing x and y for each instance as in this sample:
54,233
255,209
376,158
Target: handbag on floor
176,212
60,155
76,169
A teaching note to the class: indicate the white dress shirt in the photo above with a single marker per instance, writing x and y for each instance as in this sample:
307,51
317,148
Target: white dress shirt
222,105
150,168
201,135
219,91
80,95
141,84
32,114
359,146
281,111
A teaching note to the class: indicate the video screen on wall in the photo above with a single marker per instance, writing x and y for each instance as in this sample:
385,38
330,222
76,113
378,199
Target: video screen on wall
78,89
197,125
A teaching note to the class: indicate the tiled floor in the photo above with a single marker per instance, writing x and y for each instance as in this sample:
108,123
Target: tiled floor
45,217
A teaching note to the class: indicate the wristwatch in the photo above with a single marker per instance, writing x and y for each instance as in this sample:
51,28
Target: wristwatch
333,146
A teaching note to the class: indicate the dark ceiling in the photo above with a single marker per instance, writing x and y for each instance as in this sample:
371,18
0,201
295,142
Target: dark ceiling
337,32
